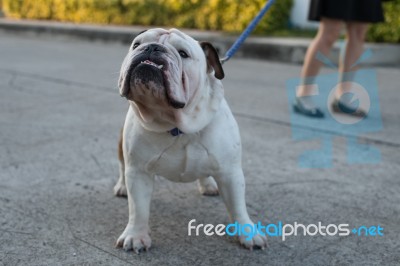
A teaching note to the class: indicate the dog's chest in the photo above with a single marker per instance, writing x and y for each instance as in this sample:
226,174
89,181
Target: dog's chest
186,160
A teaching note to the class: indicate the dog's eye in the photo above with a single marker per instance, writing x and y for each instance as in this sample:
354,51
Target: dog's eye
183,54
135,45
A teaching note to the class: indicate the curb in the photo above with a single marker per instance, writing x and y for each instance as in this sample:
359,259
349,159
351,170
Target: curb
285,50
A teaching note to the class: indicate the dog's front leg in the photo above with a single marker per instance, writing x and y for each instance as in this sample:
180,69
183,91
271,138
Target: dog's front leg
232,189
136,234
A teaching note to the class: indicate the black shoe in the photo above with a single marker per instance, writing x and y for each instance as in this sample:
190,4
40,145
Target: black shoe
299,108
341,107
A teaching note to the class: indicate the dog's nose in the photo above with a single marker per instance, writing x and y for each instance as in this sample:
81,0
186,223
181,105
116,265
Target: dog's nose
151,48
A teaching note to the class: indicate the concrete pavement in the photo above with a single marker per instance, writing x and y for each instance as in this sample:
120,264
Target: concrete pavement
60,115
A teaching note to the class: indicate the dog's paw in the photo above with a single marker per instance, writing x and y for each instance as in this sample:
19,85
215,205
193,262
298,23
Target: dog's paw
208,186
130,239
256,242
120,189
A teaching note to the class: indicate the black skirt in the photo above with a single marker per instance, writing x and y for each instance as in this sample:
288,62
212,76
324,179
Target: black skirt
347,10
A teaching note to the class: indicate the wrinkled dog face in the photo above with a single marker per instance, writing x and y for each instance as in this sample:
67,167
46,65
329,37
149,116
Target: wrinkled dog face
153,68
162,72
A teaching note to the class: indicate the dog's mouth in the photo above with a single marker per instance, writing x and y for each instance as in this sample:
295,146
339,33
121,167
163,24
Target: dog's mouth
149,77
151,63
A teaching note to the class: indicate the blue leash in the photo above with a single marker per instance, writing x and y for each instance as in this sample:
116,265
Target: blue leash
247,32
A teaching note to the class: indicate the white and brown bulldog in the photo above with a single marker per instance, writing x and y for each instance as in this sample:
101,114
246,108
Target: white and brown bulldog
178,126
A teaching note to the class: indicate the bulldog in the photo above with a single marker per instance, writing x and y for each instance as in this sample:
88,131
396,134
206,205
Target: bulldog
178,126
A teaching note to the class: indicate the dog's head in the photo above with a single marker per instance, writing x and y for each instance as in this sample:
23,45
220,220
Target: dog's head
171,80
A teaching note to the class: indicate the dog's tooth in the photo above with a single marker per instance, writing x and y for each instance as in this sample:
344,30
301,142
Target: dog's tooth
160,66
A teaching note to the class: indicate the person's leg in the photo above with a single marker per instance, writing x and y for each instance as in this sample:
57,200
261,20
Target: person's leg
328,33
356,32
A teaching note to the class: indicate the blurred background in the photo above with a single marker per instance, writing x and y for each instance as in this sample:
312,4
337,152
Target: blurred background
286,18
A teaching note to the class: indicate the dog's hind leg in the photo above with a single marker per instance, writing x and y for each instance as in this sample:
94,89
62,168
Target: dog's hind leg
207,186
120,187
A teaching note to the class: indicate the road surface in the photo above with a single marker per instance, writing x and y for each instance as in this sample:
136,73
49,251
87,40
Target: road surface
60,116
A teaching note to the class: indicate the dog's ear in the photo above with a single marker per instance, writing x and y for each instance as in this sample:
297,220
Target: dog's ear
143,31
212,59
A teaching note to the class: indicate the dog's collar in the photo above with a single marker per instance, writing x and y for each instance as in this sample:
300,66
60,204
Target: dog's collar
175,132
